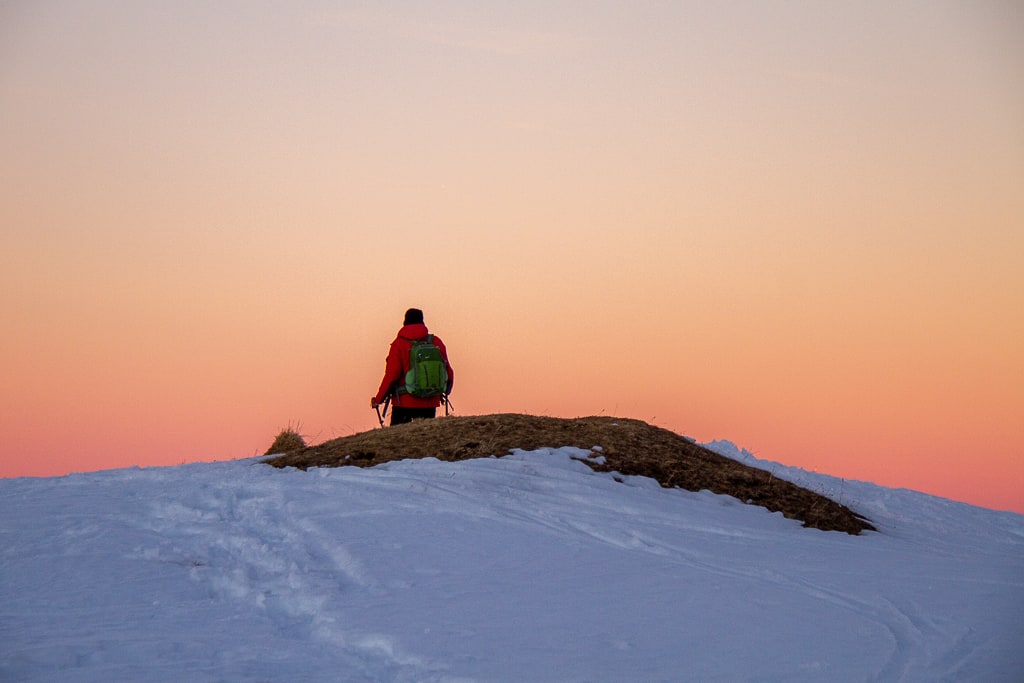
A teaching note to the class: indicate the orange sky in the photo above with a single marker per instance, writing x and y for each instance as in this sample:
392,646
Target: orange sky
796,226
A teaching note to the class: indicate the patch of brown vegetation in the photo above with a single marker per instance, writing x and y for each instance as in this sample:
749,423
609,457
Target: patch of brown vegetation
630,447
287,441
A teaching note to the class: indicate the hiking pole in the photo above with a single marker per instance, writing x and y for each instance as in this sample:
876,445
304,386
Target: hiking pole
447,404
387,401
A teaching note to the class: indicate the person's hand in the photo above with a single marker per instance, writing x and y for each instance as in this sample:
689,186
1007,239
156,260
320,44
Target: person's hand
374,402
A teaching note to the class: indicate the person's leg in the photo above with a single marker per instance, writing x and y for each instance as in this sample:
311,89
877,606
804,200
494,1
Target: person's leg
404,415
400,416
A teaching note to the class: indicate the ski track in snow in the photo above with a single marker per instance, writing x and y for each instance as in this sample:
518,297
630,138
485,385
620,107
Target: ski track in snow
259,550
527,567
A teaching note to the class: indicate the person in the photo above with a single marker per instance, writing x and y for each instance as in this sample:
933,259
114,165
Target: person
406,407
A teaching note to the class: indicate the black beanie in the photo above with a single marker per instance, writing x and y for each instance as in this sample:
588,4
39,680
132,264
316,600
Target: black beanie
413,316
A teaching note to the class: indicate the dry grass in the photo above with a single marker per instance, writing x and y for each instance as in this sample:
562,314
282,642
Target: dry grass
630,447
287,441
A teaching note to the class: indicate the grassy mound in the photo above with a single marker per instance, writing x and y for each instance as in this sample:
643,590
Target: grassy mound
630,447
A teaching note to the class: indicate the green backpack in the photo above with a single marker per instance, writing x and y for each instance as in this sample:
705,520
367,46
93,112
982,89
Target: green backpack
427,374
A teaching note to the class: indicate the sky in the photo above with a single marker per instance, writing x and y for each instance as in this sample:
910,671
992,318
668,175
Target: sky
794,225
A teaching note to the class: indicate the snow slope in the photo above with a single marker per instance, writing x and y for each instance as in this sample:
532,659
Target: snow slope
529,567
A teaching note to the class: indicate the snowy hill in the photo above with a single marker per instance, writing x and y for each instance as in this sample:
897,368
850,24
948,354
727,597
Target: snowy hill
528,567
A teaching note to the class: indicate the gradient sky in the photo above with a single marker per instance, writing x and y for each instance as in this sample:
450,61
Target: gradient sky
798,226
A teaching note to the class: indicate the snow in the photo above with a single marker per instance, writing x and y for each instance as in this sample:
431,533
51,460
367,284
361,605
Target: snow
526,567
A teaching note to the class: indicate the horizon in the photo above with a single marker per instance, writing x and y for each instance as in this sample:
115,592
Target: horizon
721,446
790,226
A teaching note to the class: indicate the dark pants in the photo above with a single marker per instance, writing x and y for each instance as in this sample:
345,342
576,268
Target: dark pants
403,415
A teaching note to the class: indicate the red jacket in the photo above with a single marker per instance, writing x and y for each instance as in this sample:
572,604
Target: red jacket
398,364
